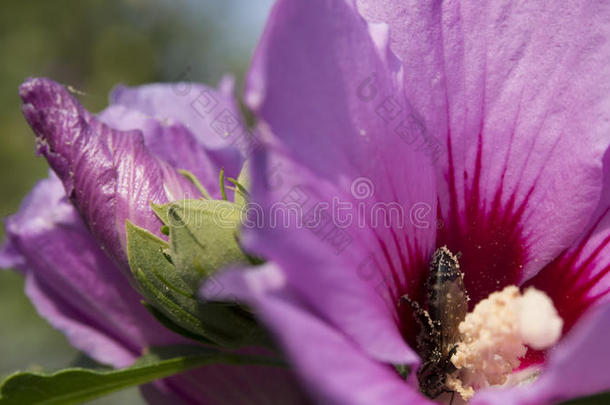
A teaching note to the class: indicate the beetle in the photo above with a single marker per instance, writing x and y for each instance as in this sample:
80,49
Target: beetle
447,303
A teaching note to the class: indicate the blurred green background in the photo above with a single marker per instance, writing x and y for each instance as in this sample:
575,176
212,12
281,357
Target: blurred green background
93,45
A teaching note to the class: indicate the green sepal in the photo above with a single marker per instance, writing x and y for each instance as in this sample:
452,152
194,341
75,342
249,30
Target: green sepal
242,185
77,385
223,191
195,181
223,324
169,324
203,237
160,210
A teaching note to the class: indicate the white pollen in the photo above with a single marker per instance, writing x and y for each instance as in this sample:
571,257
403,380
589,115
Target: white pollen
539,323
494,335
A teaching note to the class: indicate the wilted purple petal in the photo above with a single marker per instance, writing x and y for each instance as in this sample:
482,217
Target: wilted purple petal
109,175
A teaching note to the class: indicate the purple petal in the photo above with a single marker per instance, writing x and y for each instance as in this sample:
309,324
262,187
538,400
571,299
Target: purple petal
74,285
338,270
212,116
521,92
339,116
109,175
335,368
10,258
174,144
328,138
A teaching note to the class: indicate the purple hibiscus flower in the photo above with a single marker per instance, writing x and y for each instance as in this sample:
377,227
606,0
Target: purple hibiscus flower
486,126
68,238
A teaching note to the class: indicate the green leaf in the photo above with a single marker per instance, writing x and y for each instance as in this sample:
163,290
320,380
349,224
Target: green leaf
76,385
224,324
598,399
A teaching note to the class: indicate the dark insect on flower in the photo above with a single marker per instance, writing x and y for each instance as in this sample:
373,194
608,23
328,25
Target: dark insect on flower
447,306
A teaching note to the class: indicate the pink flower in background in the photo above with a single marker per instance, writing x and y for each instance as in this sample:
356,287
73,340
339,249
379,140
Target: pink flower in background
496,116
